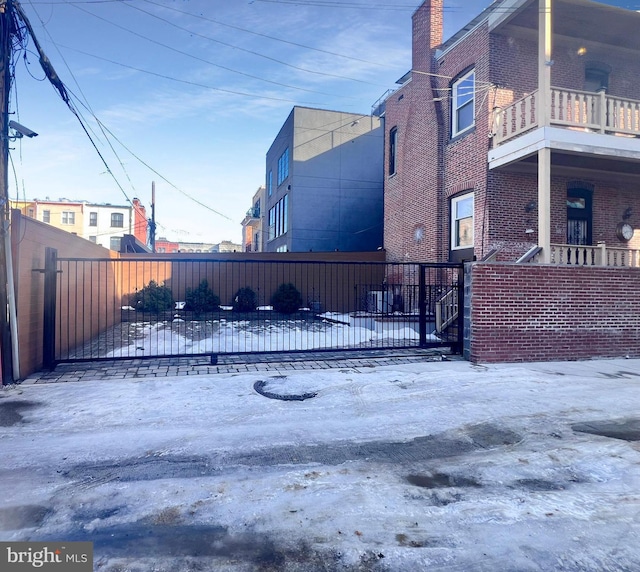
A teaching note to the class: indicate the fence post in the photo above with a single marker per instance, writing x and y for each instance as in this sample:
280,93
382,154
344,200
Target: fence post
602,245
459,346
422,304
49,320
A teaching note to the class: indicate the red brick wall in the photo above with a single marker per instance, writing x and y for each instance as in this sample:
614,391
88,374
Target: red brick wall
431,168
540,313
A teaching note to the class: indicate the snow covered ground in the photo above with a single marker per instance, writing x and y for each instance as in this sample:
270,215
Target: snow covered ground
419,467
184,337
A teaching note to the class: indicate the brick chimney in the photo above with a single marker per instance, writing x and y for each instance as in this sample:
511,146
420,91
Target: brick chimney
139,221
427,33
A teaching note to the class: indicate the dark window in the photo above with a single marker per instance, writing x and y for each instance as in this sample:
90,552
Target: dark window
117,221
279,218
596,76
579,216
283,166
93,219
393,141
46,216
270,183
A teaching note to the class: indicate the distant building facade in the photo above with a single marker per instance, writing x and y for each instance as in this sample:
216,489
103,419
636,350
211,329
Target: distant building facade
324,183
103,224
253,223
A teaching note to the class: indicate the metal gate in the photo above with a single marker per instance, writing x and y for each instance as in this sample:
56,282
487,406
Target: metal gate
150,306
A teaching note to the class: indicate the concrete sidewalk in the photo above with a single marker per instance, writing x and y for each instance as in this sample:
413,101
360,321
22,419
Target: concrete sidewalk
427,466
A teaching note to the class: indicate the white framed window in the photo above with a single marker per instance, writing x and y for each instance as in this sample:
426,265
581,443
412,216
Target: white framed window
93,219
463,103
462,222
68,217
114,243
117,220
46,216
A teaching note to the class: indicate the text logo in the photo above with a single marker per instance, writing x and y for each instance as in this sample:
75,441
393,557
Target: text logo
46,556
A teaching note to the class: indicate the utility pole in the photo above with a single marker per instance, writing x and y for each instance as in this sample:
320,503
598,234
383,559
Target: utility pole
152,224
5,86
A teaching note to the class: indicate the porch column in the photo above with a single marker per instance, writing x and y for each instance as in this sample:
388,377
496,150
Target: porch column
544,120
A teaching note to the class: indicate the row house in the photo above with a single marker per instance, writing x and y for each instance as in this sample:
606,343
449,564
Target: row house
518,138
103,224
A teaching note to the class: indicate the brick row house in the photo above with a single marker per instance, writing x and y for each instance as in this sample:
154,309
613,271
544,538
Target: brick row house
519,134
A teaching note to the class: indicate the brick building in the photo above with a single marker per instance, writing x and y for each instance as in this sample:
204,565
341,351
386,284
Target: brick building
520,131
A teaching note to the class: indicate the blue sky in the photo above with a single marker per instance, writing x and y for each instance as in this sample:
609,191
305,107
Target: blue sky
197,89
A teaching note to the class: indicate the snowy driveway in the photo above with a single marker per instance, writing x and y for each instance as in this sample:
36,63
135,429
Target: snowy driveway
432,466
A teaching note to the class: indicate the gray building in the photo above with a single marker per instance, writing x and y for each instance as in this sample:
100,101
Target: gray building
324,183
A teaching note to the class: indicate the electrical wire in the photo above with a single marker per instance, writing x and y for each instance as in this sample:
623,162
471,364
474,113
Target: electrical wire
267,36
252,52
208,62
192,83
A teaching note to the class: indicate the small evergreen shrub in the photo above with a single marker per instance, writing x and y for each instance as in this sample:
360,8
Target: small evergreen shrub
153,298
286,299
201,299
245,300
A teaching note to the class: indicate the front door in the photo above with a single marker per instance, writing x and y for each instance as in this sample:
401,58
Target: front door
579,216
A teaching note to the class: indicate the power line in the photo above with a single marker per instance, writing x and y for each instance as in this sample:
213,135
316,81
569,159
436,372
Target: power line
274,38
187,82
209,62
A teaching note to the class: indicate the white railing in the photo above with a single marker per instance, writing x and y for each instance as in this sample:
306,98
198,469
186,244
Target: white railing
599,255
446,310
573,109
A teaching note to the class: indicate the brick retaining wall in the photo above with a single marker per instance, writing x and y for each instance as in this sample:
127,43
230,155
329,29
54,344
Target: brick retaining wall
542,312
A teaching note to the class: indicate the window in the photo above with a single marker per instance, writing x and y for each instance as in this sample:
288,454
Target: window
579,216
596,76
463,107
283,166
68,217
31,213
393,140
270,183
462,222
114,243
46,216
93,239
93,219
279,218
117,221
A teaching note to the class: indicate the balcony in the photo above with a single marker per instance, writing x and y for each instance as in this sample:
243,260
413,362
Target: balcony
570,109
253,212
589,255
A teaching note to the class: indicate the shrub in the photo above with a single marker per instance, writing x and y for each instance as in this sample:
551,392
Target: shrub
286,299
201,299
245,300
153,298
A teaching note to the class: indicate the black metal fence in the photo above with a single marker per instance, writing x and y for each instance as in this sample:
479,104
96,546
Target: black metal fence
158,307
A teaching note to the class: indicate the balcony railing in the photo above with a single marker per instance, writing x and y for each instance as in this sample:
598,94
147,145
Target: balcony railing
588,255
573,109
